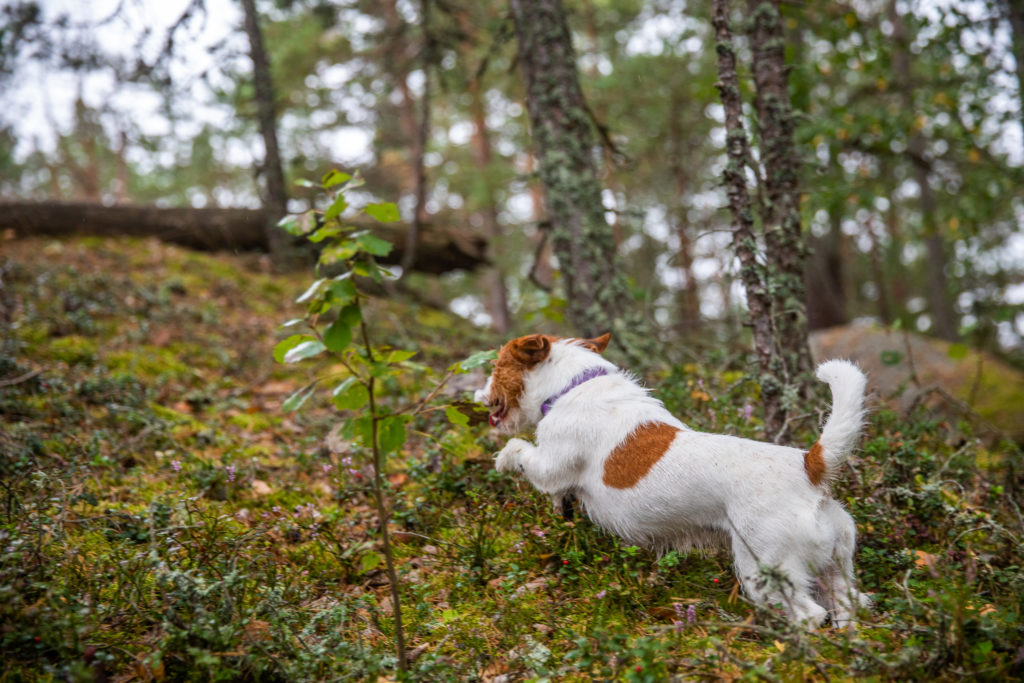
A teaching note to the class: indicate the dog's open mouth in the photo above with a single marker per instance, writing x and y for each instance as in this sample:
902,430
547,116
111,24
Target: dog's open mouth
498,415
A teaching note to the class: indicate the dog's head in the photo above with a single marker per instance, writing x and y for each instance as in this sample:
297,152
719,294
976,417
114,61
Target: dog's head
513,394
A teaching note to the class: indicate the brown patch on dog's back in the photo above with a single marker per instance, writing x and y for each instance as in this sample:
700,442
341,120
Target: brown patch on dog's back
814,464
636,455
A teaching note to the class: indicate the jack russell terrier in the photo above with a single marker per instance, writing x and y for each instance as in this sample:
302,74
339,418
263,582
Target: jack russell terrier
642,474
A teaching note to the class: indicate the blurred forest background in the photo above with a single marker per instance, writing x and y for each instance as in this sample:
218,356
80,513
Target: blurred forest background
193,489
908,131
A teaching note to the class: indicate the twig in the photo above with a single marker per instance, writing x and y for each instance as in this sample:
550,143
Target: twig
18,380
537,255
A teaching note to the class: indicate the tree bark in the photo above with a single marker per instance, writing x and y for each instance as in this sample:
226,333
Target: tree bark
1015,14
442,248
282,245
784,243
422,136
597,296
497,293
823,277
752,272
940,304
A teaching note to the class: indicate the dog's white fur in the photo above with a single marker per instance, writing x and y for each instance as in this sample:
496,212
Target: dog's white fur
706,490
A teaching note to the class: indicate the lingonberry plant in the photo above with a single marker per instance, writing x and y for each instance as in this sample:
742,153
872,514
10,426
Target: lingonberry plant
335,324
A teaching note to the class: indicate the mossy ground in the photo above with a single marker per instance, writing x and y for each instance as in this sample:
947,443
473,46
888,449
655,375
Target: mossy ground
161,518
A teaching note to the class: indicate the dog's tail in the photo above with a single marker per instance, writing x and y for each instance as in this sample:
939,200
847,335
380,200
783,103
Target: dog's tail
842,429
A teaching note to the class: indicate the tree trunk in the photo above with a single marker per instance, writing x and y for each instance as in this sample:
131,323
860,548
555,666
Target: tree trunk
689,298
940,304
1015,14
442,248
422,136
823,277
784,243
282,245
752,272
597,297
497,293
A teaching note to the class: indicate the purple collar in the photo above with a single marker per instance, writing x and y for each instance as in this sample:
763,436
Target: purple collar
579,379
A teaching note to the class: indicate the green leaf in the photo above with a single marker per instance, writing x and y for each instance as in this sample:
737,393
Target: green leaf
341,251
312,291
334,177
325,232
289,224
304,350
891,357
299,225
288,344
371,270
391,433
350,315
399,355
336,208
957,351
293,322
350,395
370,561
342,290
358,429
385,212
303,182
475,361
338,336
455,416
372,244
295,401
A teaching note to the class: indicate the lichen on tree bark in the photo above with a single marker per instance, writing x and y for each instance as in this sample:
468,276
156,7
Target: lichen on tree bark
773,275
597,296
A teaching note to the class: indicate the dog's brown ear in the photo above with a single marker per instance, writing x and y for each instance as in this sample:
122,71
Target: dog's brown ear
598,344
532,349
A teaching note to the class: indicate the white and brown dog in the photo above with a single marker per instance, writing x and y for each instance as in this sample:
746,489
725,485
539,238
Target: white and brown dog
642,474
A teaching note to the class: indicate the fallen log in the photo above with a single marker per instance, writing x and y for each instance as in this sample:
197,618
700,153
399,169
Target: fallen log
441,249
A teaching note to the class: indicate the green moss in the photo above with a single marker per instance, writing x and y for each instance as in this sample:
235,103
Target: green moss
147,362
73,349
254,422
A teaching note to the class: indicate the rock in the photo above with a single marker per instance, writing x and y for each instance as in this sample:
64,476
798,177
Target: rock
950,379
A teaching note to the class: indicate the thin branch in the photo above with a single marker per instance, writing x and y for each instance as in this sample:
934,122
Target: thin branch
21,378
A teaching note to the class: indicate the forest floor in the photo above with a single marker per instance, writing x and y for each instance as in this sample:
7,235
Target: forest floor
162,518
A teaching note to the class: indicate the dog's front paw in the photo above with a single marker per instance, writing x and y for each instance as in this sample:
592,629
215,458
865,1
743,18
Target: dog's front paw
508,459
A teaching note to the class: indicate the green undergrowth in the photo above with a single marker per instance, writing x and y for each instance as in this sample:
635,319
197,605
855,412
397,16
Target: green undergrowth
161,518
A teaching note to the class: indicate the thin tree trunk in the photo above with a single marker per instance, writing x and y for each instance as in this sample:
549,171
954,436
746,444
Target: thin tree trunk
689,300
878,272
420,142
752,272
940,304
1015,15
597,297
784,243
497,292
276,192
823,277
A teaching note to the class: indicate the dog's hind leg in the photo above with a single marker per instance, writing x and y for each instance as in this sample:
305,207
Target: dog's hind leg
839,589
785,583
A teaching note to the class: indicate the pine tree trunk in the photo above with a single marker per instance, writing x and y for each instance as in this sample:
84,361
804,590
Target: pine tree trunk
282,246
1015,14
597,296
823,277
785,250
752,272
940,304
497,293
